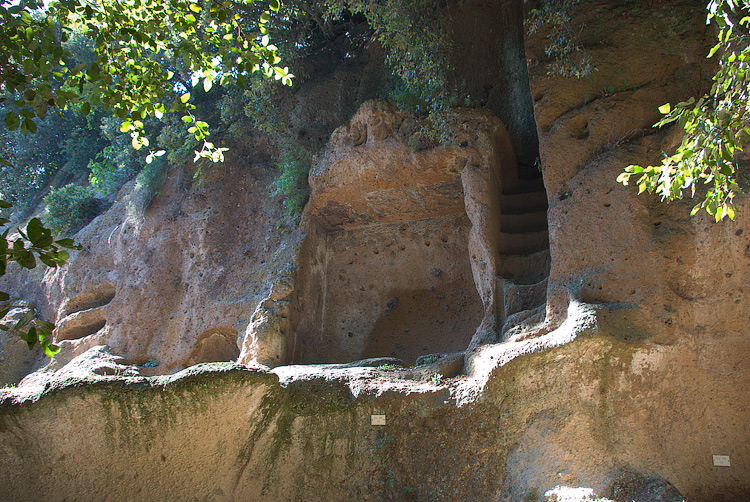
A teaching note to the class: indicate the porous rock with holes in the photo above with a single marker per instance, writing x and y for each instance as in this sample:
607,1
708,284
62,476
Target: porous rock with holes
623,384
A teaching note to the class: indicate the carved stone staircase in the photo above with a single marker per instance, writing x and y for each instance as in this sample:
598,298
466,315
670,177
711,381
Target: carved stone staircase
523,247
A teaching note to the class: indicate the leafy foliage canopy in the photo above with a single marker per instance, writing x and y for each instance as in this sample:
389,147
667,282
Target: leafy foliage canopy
717,125
132,40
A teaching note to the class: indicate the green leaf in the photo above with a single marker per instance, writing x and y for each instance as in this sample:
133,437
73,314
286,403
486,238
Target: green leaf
45,241
26,259
30,337
12,121
68,243
44,325
275,5
4,204
185,97
25,319
30,125
35,230
93,72
48,260
665,109
49,349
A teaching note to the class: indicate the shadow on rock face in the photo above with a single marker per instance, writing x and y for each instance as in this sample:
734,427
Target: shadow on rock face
215,345
631,487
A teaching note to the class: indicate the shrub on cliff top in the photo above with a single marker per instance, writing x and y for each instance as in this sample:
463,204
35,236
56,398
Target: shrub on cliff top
70,207
292,184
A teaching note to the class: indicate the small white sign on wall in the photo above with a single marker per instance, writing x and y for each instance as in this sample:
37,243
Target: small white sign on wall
377,419
721,460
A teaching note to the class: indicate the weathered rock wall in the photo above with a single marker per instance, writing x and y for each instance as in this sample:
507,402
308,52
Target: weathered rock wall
488,41
177,284
597,413
608,245
635,373
401,290
180,283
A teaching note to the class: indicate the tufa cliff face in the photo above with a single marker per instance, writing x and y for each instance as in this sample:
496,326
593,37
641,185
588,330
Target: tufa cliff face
674,274
180,283
597,338
165,286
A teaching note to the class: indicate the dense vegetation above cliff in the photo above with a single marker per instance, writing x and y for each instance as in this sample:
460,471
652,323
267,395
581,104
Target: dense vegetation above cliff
114,73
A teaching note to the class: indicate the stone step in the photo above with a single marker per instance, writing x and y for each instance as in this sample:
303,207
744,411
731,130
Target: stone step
524,268
528,243
524,222
523,202
520,297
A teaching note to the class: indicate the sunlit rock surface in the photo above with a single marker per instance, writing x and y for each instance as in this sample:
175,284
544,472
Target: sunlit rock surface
613,366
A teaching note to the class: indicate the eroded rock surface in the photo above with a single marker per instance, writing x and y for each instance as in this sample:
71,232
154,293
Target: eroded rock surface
175,286
623,387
